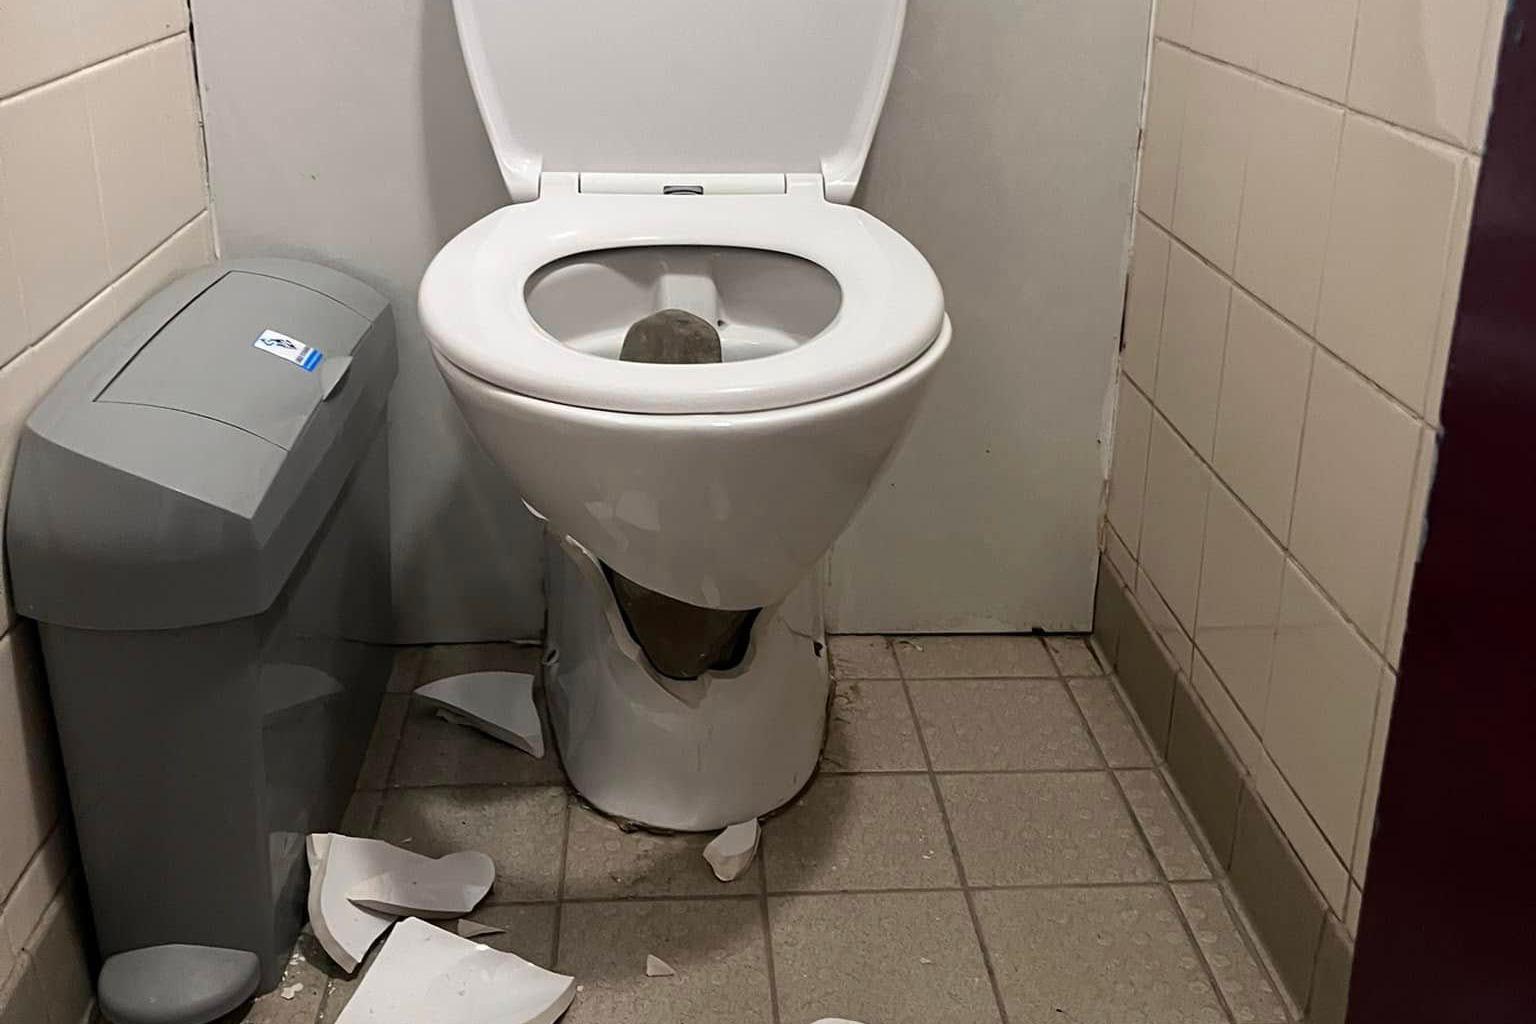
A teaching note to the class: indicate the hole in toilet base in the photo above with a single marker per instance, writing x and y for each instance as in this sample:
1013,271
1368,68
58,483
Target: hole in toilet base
682,640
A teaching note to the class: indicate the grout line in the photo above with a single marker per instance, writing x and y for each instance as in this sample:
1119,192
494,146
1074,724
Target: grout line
560,897
99,62
762,904
954,850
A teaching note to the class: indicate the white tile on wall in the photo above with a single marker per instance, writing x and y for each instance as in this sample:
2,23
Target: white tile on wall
1418,63
48,176
1240,578
1450,299
1168,94
1487,74
1217,121
1173,520
38,41
39,883
1174,18
144,118
1308,44
1264,382
1193,340
1320,859
1388,254
110,27
1322,704
1120,557
1218,701
1164,623
1413,535
29,799
1287,196
13,320
1227,30
1128,465
1144,303
1371,791
1352,493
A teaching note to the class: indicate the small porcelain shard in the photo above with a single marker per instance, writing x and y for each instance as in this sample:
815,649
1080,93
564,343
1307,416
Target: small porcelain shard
836,1020
424,973
468,929
338,865
499,704
289,991
449,886
731,852
656,967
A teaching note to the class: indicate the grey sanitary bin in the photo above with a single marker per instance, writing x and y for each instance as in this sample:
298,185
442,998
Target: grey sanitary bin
200,527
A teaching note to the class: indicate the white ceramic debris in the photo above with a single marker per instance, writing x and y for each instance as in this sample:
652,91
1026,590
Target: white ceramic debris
467,929
449,886
424,973
731,852
499,704
656,967
339,864
836,1020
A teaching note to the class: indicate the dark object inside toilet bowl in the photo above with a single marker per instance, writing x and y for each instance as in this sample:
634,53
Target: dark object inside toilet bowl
681,640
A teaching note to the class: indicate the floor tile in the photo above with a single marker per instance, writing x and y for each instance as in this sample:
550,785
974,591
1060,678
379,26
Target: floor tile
871,729
716,947
895,958
1110,723
1175,848
436,752
362,811
383,744
407,669
1001,725
521,828
305,978
1242,979
442,660
1073,656
1106,955
859,832
1044,829
604,861
862,657
965,657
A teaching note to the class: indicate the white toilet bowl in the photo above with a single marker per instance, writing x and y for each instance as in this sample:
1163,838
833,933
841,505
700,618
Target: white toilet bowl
724,484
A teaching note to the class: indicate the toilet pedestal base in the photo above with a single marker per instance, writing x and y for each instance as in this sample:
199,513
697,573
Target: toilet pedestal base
691,756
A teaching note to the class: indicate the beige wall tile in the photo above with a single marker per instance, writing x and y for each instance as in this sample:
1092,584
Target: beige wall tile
1322,703
1128,467
39,883
1190,355
1227,30
1372,789
48,175
1413,535
1268,367
1308,43
1217,121
13,320
1352,910
1321,862
1239,601
1450,300
1170,632
1352,493
1174,18
144,118
1393,213
1119,555
29,797
1144,303
39,40
1173,522
1418,63
1168,94
1238,731
1286,198
111,27
1487,73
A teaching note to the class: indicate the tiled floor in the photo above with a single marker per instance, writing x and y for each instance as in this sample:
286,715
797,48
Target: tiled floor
989,841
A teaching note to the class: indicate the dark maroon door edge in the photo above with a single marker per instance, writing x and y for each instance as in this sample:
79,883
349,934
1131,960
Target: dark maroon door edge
1448,929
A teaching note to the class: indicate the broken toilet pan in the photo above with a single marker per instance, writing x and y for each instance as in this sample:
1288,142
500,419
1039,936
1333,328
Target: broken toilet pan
425,974
731,852
468,929
499,704
340,865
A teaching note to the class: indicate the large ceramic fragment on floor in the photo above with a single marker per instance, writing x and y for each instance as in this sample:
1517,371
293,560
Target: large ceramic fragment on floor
450,886
731,852
338,865
425,974
499,704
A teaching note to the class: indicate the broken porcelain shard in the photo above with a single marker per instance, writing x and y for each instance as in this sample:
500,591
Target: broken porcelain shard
338,865
499,704
656,967
449,886
731,852
468,929
424,973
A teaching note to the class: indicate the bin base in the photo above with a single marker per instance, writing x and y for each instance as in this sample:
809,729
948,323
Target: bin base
176,984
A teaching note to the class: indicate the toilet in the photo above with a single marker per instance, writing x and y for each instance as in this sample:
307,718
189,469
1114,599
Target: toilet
696,155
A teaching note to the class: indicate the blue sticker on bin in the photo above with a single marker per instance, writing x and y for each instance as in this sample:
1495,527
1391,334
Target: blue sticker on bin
292,349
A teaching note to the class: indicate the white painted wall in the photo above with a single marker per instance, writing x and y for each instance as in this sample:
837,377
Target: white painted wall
345,131
1007,154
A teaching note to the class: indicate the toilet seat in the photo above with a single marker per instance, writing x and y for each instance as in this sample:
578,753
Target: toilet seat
472,300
